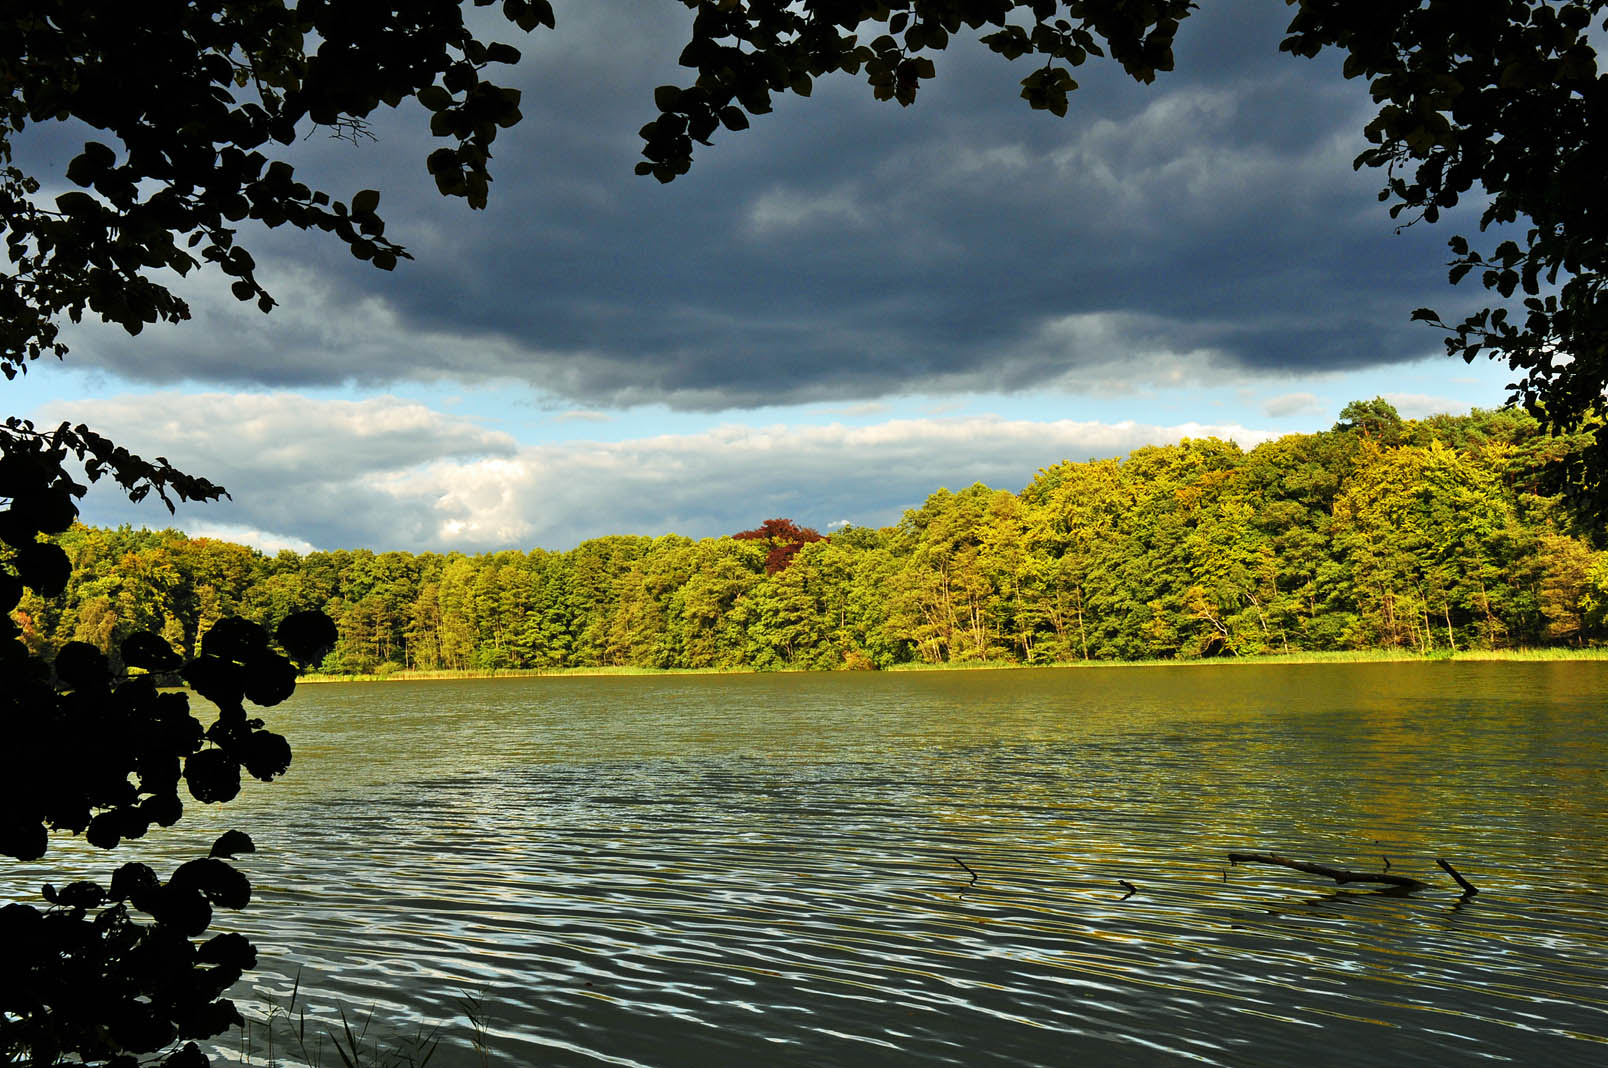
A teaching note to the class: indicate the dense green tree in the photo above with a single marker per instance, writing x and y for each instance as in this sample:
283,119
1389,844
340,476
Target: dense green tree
1377,420
1424,531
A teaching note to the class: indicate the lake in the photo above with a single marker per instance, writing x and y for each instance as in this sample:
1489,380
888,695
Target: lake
778,869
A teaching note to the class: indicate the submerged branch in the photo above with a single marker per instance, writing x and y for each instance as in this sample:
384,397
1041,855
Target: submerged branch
1339,875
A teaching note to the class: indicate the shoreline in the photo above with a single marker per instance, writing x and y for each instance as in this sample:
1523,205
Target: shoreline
1352,657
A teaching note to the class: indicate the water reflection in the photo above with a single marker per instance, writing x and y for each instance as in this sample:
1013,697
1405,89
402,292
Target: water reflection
712,871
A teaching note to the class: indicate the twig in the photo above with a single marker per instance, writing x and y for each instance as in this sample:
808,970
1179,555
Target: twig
1387,862
1126,885
963,864
1339,875
1469,889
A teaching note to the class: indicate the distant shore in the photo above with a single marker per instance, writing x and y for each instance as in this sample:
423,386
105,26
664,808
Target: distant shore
1352,657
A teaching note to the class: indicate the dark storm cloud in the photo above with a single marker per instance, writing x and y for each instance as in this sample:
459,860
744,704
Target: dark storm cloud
1210,224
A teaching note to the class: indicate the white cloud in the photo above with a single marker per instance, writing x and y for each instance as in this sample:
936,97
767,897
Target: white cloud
1292,404
781,208
389,474
280,435
267,542
1421,405
856,411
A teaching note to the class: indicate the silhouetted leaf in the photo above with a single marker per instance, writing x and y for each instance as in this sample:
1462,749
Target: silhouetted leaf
366,202
142,649
220,681
270,678
49,510
81,895
82,666
163,809
222,884
22,840
212,775
231,843
183,908
233,638
307,636
266,755
135,883
104,831
232,950
44,568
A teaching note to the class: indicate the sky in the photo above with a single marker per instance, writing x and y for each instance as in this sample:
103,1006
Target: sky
835,313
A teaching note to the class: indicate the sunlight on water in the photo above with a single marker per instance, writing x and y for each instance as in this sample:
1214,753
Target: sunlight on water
777,869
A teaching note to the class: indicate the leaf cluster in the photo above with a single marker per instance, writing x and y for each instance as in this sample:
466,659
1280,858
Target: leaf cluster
783,538
1501,102
744,52
84,978
101,753
191,100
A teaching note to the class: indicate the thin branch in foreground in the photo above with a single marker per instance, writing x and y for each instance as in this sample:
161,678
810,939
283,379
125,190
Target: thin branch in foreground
963,864
1339,875
1469,889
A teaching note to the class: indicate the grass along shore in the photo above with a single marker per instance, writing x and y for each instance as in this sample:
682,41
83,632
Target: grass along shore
1361,656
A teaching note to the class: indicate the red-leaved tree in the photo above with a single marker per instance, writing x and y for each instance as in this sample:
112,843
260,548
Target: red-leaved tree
785,539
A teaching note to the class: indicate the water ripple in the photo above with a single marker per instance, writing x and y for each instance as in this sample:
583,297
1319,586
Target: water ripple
729,871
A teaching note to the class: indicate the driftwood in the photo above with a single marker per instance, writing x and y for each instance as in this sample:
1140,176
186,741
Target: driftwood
1339,875
1469,889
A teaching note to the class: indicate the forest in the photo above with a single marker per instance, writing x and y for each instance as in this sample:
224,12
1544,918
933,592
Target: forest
1382,533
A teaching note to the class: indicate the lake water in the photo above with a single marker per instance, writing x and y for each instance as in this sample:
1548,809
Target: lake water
767,869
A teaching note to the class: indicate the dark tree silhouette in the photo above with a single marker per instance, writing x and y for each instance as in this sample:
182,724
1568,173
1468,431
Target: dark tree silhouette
101,754
189,99
185,97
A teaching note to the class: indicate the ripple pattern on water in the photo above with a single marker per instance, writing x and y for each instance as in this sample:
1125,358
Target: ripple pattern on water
751,870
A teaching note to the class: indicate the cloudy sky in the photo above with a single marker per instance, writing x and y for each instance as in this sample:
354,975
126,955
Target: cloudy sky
836,312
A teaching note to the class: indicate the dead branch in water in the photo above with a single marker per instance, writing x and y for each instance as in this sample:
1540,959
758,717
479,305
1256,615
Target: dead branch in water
963,864
1339,875
1126,885
1469,889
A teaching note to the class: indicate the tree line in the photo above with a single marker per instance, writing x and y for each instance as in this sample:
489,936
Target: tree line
1381,533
